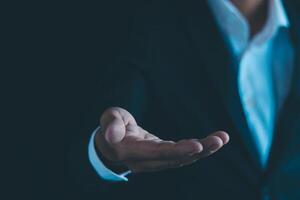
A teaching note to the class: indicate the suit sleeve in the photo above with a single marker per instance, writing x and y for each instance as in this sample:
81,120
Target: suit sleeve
123,85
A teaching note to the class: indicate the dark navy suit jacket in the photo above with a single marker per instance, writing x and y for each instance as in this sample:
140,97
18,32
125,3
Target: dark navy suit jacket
177,77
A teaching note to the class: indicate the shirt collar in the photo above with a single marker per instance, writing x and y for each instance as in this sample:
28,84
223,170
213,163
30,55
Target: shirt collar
236,28
277,19
279,14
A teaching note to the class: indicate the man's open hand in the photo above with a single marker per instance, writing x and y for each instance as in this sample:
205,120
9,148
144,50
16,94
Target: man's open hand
123,141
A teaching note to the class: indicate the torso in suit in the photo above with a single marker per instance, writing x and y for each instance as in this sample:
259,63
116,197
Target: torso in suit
174,78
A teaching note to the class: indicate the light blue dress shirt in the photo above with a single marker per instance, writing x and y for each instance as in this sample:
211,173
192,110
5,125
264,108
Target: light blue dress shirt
265,67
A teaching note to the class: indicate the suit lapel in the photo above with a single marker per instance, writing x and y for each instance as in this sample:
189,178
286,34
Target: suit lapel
291,108
221,67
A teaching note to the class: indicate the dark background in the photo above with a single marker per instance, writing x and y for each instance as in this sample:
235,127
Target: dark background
55,56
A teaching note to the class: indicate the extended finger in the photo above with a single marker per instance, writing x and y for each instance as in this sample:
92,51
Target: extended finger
157,149
213,143
223,135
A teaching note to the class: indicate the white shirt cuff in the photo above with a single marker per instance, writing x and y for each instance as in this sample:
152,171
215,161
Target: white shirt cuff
98,165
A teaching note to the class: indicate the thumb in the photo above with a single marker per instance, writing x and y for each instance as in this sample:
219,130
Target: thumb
113,125
115,131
